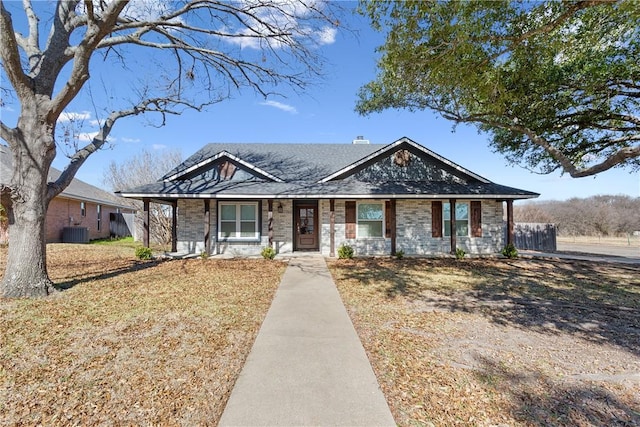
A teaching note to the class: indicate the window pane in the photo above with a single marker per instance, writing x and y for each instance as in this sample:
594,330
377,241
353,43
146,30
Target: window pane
370,211
462,228
248,212
447,225
227,212
228,229
247,229
462,211
446,211
370,229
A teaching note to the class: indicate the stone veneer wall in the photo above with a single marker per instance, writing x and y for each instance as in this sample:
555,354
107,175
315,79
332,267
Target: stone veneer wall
191,229
191,226
282,225
413,230
361,247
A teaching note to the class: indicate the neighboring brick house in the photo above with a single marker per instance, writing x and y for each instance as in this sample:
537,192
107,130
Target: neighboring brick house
379,199
79,205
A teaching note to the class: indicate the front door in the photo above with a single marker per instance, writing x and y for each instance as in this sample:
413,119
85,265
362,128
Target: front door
306,226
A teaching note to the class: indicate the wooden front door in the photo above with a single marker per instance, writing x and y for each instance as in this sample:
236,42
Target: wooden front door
306,226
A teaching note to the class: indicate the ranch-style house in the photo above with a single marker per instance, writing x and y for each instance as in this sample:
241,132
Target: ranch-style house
378,199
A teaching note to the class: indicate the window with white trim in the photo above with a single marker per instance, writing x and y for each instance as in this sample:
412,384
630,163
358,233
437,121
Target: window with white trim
238,221
462,219
83,209
99,212
370,219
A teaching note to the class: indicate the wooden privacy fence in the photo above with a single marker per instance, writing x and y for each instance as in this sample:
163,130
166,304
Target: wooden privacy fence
122,225
534,236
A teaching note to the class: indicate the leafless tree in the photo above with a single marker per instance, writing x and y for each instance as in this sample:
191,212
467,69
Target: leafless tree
144,168
204,50
603,215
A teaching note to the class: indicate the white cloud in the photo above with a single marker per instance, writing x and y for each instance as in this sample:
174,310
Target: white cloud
280,15
88,137
131,140
158,146
279,105
67,116
327,35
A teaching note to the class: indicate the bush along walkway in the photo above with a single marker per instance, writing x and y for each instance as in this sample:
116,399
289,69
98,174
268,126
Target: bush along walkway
307,365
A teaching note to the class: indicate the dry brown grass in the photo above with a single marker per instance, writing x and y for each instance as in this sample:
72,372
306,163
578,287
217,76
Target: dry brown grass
499,342
633,241
130,342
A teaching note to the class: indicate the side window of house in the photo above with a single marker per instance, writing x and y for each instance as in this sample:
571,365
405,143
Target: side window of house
370,219
238,221
99,217
462,219
83,209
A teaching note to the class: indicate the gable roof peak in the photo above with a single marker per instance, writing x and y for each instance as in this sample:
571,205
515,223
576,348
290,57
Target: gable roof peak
210,160
390,148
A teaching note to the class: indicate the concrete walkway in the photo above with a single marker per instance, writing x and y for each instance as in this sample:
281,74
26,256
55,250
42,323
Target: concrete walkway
307,366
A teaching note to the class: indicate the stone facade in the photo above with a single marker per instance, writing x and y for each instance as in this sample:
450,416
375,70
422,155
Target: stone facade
413,230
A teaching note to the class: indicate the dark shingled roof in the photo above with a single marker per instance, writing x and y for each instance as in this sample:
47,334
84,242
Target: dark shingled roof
296,171
288,162
77,189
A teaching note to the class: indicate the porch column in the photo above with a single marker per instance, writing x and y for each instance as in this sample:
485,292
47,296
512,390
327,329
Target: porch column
270,221
510,238
207,225
332,228
174,226
145,222
452,225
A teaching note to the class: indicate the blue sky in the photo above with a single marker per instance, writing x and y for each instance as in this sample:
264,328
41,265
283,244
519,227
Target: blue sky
325,114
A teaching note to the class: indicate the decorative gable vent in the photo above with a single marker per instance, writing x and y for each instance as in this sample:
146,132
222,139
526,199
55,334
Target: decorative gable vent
226,170
360,140
402,158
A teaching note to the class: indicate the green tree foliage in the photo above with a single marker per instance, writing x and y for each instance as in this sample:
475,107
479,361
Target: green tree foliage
555,84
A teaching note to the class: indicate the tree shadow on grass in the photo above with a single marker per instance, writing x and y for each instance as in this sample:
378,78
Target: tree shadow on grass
539,401
108,274
598,302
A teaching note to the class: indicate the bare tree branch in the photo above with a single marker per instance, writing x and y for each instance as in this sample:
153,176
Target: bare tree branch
80,72
10,54
7,133
158,105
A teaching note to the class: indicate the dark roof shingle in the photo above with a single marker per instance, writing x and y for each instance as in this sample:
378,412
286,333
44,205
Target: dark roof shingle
303,170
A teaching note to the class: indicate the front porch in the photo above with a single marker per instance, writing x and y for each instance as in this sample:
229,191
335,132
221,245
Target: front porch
322,225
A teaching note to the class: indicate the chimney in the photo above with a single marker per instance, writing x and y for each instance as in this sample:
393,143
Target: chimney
360,140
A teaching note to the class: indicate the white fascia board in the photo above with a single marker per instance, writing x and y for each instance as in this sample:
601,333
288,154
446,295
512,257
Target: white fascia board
395,144
218,156
330,196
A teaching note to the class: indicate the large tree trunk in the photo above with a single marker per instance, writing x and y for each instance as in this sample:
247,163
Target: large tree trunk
26,271
33,151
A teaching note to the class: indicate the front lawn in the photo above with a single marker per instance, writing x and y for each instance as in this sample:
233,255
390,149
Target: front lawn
494,342
130,342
